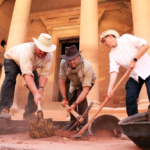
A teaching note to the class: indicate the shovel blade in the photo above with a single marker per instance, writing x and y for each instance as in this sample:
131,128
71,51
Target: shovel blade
41,129
75,136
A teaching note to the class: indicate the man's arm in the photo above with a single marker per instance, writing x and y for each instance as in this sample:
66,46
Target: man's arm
113,77
80,98
142,50
31,85
62,88
42,83
83,94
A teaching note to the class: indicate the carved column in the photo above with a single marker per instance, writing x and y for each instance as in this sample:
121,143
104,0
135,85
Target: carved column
141,22
89,40
17,32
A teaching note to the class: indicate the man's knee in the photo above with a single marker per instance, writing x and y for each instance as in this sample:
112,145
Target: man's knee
131,103
11,75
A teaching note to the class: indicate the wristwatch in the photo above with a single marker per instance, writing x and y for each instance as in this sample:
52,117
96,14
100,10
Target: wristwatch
42,87
135,59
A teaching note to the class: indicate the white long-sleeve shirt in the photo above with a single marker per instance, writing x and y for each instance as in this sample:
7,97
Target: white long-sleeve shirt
127,47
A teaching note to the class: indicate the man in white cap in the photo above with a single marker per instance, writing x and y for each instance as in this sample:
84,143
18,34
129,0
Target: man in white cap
25,59
130,52
82,78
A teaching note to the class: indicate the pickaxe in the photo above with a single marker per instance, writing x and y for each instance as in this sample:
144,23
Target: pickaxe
79,134
80,118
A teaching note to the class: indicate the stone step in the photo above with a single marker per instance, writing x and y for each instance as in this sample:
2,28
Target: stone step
59,113
54,114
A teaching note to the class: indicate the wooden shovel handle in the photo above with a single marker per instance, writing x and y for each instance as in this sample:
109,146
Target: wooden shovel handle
72,111
39,105
106,100
121,80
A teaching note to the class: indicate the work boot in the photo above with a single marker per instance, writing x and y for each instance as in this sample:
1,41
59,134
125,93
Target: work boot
67,127
4,114
30,117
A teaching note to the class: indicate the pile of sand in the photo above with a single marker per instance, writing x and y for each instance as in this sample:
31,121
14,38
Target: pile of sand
104,134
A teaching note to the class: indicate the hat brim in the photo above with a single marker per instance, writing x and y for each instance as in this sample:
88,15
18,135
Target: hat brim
70,57
44,48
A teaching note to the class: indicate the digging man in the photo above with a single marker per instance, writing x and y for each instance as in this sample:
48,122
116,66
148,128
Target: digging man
25,59
82,78
130,52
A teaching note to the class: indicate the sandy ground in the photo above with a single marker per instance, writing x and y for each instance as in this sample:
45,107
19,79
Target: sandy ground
62,140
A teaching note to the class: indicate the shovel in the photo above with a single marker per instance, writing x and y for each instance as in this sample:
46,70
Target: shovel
41,128
79,134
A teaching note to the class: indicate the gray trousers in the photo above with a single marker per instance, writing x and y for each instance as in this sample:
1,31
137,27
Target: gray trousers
8,88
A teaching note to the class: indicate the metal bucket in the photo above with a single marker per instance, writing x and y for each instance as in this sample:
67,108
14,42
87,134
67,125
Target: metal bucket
137,128
106,122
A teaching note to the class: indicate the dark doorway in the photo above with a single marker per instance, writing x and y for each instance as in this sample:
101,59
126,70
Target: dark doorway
62,44
67,80
68,45
3,43
65,42
2,51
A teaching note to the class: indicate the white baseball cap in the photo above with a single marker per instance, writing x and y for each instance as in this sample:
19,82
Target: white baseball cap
108,32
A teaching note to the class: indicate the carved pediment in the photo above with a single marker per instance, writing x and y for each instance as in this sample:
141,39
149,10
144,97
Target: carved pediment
101,15
50,23
127,13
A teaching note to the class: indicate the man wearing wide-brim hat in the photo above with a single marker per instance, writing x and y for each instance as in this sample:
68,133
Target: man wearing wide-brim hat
82,78
130,52
24,59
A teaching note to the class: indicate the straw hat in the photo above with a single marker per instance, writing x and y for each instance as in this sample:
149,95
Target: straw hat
108,32
70,53
44,43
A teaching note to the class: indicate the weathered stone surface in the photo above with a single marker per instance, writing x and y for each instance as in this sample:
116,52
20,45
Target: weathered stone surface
63,23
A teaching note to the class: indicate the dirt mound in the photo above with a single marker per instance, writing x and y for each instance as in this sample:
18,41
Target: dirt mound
63,133
100,134
104,134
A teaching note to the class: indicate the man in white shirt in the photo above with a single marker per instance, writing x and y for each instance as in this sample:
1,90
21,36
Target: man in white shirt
130,52
25,59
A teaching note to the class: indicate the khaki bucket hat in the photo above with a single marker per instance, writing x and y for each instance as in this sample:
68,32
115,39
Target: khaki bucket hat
44,43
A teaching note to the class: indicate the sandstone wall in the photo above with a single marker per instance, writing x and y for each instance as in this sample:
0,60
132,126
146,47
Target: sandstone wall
6,9
115,16
61,26
64,24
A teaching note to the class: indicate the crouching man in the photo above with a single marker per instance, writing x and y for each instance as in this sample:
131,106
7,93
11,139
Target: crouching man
82,78
25,59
